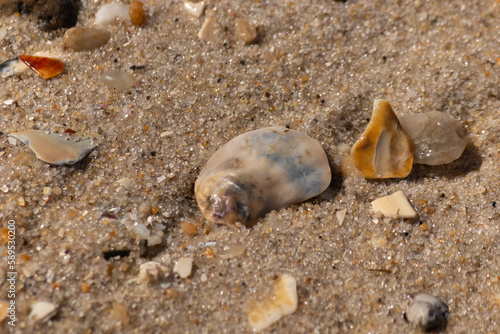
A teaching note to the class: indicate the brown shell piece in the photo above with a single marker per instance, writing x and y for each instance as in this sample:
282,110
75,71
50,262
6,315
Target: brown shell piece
43,66
384,150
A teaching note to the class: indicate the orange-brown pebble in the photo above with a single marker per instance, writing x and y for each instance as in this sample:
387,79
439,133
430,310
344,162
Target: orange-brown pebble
136,13
209,252
154,210
85,287
25,257
119,313
171,293
43,66
424,227
3,310
4,234
188,228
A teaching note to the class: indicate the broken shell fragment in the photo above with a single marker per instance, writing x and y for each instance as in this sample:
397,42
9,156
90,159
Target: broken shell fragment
428,312
84,39
43,66
260,171
195,9
437,138
282,301
52,148
11,67
394,205
208,30
384,150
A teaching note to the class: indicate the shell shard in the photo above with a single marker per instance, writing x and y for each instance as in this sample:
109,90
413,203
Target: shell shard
11,67
43,66
384,150
52,149
260,171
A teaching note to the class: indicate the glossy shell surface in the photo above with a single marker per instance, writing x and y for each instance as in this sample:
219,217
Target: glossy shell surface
260,171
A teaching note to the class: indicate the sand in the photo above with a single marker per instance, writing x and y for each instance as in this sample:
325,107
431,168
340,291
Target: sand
317,67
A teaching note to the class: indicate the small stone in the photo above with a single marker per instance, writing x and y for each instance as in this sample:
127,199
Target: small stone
428,312
145,207
171,293
136,12
118,80
183,267
282,301
57,190
245,30
108,13
232,250
394,205
52,148
85,287
384,150
207,32
4,305
149,272
21,201
119,313
43,311
45,67
84,39
188,228
11,67
47,191
140,231
341,215
437,138
195,9
203,277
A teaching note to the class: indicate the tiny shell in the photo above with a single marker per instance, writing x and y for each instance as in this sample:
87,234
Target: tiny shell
428,312
108,13
43,66
394,205
84,39
282,301
136,13
384,150
260,171
52,149
118,80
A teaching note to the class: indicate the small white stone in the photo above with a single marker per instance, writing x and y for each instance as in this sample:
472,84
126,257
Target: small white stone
207,31
140,231
161,179
341,215
195,9
203,277
108,13
394,205
149,272
43,311
8,102
47,191
126,183
428,312
183,267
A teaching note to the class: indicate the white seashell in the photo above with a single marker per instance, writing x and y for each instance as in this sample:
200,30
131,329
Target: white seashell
394,205
52,148
108,13
428,312
260,171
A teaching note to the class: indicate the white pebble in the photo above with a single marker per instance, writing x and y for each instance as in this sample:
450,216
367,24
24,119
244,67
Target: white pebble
183,267
141,231
394,205
195,9
43,311
427,311
110,12
203,277
207,31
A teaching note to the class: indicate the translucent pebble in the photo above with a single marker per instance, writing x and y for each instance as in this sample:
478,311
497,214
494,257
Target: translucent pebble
141,231
437,138
428,312
118,80
195,9
136,13
245,30
108,13
84,39
231,250
384,149
260,171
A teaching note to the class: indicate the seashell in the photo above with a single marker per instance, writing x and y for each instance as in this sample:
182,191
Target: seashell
437,138
118,80
394,205
428,312
11,67
384,149
260,171
84,39
136,13
43,66
52,149
108,13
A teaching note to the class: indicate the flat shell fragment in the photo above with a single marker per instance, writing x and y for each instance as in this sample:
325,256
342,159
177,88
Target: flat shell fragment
428,312
437,138
43,66
195,9
260,171
384,149
84,39
208,30
11,67
394,205
43,311
52,148
282,301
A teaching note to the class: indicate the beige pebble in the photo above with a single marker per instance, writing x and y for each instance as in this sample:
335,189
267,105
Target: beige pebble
245,30
282,301
341,216
47,191
119,312
231,250
84,39
183,267
43,311
21,201
149,272
136,12
57,190
207,32
394,205
188,228
195,9
384,149
145,207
